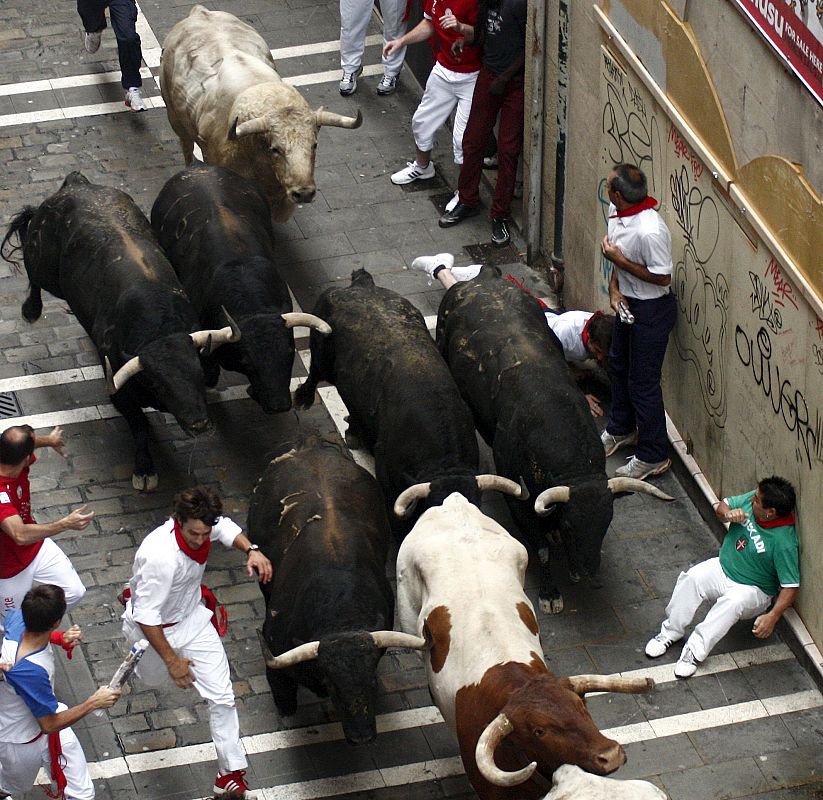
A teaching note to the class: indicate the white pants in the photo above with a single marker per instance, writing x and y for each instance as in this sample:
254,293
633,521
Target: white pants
355,16
734,601
445,89
201,644
20,763
50,565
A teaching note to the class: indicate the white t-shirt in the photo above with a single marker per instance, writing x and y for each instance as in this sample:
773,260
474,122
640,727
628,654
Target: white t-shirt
568,327
165,583
644,239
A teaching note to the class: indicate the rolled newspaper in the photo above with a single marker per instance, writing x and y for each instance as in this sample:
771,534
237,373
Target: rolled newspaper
124,671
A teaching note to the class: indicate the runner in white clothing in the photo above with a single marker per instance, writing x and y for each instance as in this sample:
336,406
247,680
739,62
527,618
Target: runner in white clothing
165,607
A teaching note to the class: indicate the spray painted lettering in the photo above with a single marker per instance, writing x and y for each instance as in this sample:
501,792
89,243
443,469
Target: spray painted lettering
782,290
762,304
685,152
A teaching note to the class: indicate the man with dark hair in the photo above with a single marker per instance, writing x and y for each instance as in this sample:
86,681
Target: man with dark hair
759,560
27,553
34,725
639,246
164,606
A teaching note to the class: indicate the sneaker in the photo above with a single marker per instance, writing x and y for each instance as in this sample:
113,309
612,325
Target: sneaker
134,99
686,665
91,41
657,646
500,232
612,444
642,469
348,83
412,172
490,162
466,273
453,202
460,212
387,85
230,783
429,264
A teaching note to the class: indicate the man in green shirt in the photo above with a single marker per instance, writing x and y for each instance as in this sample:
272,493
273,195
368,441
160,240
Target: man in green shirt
759,560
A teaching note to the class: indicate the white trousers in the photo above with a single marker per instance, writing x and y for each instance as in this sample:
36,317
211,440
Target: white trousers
355,16
210,667
445,89
734,601
50,565
20,763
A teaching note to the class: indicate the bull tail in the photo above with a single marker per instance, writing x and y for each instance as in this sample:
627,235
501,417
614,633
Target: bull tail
19,225
361,278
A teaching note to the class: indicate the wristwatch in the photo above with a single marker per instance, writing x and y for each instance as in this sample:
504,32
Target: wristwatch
251,548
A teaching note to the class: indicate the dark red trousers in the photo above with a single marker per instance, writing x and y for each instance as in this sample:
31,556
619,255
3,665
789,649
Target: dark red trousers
483,114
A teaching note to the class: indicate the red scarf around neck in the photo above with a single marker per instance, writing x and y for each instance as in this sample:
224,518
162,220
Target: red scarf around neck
200,555
584,334
777,522
630,211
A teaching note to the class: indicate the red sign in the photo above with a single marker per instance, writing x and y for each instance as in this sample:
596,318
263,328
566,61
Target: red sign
794,29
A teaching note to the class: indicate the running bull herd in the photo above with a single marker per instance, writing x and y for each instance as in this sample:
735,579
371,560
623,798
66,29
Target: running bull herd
170,302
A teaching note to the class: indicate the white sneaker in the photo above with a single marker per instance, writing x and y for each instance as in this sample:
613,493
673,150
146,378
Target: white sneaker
466,273
429,264
612,443
348,83
686,665
412,172
91,41
658,645
134,99
387,85
636,468
453,202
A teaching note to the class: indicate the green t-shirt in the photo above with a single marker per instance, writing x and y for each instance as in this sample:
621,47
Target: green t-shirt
768,558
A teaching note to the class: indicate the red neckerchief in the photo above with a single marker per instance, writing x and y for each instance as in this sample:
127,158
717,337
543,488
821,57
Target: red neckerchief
777,522
643,205
584,334
200,555
522,285
58,761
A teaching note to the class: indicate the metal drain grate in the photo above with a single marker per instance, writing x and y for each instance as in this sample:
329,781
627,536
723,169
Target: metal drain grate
9,405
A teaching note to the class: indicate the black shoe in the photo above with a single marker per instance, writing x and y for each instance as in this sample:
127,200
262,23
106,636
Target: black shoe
460,212
500,232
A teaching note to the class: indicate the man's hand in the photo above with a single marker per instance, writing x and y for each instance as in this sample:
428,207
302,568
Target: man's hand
737,515
611,251
391,47
55,440
258,562
79,519
616,297
179,669
763,626
5,666
73,635
457,47
449,21
594,405
105,697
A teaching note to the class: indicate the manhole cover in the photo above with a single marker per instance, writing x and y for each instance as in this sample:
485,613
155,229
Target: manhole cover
9,405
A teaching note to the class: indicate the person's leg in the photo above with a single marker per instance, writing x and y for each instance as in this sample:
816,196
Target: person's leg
509,145
463,89
123,14
52,565
19,765
621,420
355,16
79,785
92,14
394,26
435,106
704,581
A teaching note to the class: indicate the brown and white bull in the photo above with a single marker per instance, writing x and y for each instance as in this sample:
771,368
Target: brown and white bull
222,91
460,583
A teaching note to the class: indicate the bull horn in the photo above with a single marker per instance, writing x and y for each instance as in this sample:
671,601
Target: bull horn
303,652
398,639
332,120
497,730
406,501
633,485
549,497
257,125
231,333
295,318
128,370
498,483
581,684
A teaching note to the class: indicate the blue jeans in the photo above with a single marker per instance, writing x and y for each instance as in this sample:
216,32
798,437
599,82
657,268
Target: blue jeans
123,15
635,365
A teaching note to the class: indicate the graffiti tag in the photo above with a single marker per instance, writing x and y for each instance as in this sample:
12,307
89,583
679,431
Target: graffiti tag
682,149
762,304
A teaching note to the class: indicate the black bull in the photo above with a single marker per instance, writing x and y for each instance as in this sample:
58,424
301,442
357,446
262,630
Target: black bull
91,246
510,369
215,227
320,520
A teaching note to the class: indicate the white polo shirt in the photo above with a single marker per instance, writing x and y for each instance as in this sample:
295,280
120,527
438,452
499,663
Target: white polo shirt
644,239
568,327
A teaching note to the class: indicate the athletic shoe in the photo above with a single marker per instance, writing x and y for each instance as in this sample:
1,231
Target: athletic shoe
91,41
460,212
612,444
134,99
657,646
387,85
348,83
466,273
642,469
490,162
686,665
500,232
429,264
231,783
453,202
413,172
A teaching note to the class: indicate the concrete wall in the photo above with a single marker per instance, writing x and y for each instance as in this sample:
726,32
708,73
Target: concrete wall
744,374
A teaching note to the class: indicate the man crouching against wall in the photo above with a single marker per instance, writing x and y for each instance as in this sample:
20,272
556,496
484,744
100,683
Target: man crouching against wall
759,560
164,607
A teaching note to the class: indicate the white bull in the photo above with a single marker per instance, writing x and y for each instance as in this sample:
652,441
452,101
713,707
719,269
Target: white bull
222,91
571,783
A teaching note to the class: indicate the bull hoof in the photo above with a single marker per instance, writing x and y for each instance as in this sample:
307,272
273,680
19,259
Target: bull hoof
551,605
144,483
32,309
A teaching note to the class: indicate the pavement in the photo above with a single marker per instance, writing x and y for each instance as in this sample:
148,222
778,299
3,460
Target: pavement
748,725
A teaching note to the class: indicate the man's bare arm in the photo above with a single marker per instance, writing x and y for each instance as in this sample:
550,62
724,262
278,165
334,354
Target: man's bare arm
178,667
23,533
102,698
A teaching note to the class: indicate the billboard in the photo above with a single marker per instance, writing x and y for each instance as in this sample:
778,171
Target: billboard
794,29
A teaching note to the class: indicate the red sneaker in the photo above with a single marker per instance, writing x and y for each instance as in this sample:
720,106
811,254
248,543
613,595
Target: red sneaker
232,784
